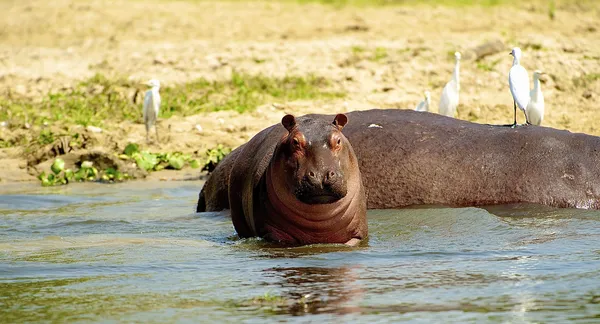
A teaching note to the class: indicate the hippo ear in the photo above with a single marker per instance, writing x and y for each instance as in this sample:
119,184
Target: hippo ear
340,121
289,122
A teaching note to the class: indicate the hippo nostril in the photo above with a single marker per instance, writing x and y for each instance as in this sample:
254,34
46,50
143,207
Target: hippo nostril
330,178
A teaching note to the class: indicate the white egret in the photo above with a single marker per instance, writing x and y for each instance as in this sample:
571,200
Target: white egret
424,105
449,99
151,107
518,80
535,108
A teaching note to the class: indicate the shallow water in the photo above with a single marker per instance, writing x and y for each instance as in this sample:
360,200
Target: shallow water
137,252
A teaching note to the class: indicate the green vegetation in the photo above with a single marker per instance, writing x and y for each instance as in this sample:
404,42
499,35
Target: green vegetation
552,10
99,99
360,53
586,79
144,160
357,50
214,156
485,66
157,161
379,54
87,172
45,137
532,46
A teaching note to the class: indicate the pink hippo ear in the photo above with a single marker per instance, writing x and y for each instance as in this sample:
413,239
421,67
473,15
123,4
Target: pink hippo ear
289,122
340,121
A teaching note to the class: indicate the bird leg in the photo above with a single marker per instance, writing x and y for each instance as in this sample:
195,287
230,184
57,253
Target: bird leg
147,133
515,121
156,130
527,120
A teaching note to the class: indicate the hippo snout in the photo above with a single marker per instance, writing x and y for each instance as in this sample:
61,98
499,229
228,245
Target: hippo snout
321,187
321,179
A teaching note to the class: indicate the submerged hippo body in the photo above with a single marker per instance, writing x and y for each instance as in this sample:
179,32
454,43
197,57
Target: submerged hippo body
297,182
412,158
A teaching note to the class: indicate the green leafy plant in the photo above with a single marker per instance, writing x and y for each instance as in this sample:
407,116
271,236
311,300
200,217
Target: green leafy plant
157,161
61,176
214,156
144,160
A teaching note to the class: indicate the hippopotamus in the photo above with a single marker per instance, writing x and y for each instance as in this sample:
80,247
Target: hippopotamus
297,182
410,158
416,158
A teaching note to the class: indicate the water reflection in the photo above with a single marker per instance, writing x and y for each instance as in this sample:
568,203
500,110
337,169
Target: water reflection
315,290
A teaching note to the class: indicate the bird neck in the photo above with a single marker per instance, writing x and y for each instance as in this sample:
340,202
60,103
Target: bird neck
455,75
537,88
516,61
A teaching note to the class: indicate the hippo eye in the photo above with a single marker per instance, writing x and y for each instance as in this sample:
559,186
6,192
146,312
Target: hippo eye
339,141
296,141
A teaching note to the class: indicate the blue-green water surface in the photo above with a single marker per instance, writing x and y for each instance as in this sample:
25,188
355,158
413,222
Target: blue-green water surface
137,252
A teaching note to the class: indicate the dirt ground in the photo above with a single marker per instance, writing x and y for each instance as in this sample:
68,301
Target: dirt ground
383,57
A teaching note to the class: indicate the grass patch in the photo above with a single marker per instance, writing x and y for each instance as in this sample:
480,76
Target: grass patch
532,46
359,53
379,54
586,79
358,50
99,99
552,10
488,67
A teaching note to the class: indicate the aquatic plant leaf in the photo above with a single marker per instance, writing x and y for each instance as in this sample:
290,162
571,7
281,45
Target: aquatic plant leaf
69,174
57,166
176,162
131,148
87,164
194,164
146,160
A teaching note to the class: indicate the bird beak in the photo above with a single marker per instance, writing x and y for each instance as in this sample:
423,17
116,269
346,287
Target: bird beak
510,53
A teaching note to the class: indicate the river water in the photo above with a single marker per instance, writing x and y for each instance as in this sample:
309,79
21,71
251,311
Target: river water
137,252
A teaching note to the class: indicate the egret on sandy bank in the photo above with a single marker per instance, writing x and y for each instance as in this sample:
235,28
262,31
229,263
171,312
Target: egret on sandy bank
449,99
535,108
518,80
151,107
424,105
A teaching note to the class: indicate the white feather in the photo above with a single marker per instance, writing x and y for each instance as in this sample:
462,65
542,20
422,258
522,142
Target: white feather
518,80
535,108
151,104
519,86
450,94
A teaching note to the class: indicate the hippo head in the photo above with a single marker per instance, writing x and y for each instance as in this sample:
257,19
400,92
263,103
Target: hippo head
315,158
313,188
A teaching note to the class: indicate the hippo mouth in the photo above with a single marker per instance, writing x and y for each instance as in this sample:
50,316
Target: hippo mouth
317,197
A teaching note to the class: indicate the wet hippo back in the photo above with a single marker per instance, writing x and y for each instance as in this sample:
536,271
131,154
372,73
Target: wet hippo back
408,158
